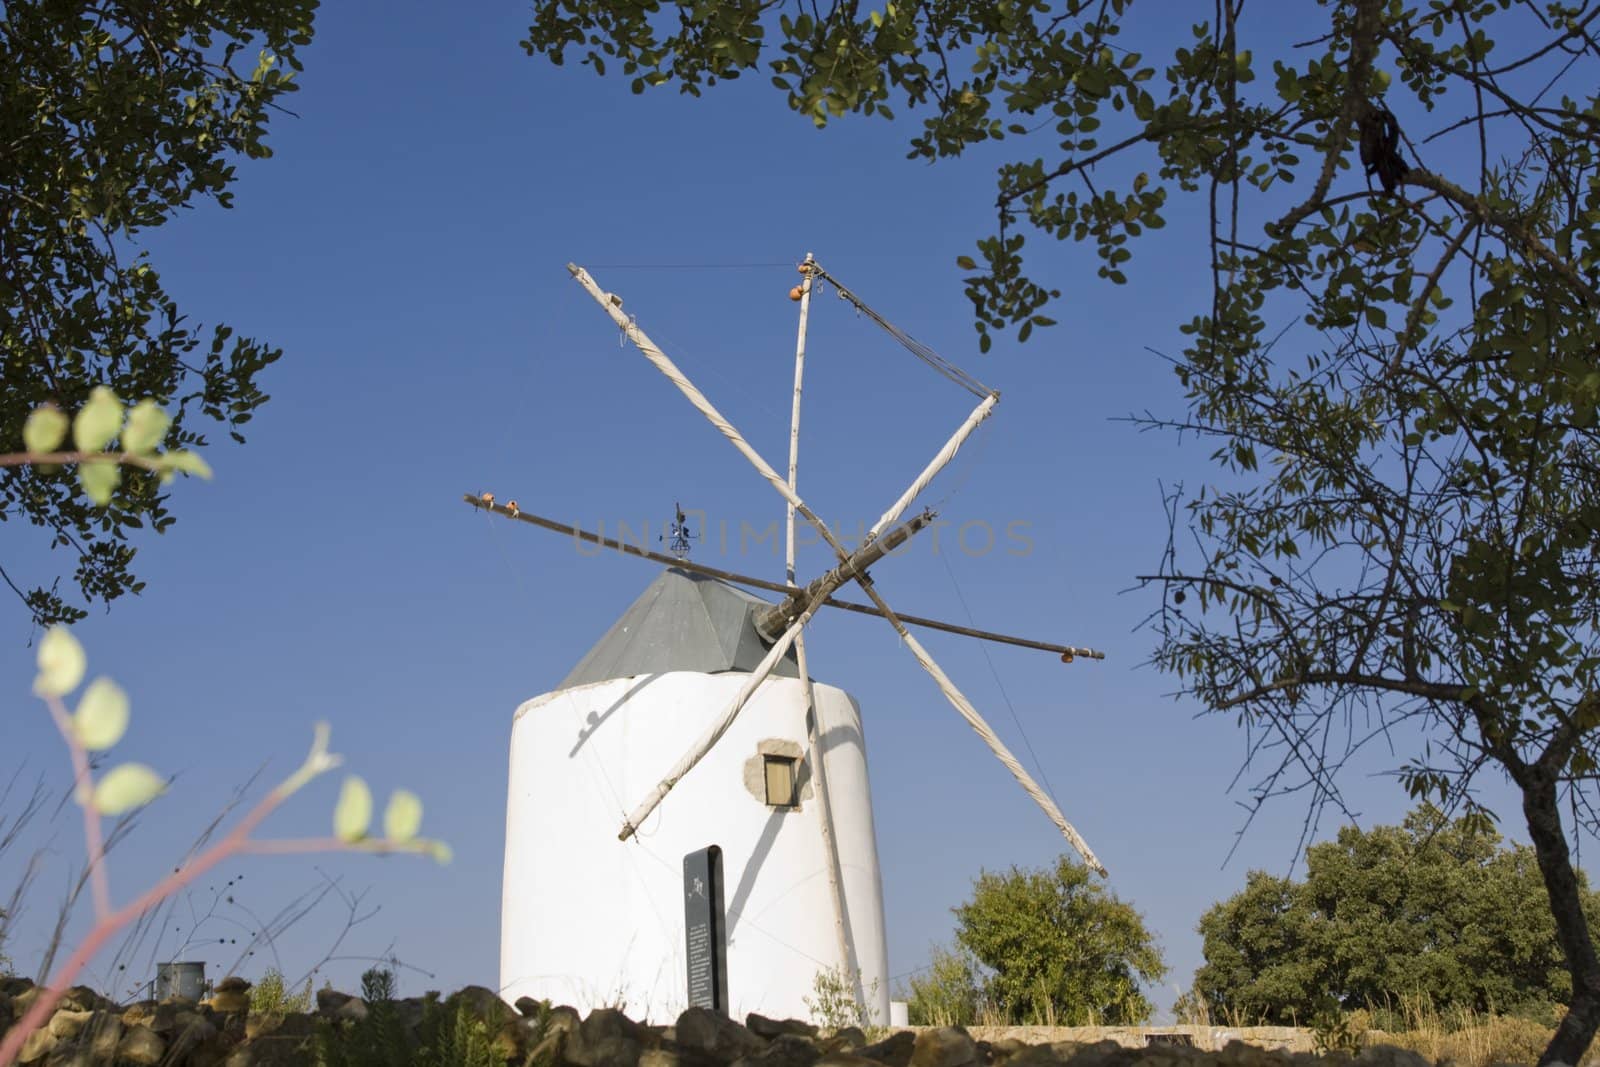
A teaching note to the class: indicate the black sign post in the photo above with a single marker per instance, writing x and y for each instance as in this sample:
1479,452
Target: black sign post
705,929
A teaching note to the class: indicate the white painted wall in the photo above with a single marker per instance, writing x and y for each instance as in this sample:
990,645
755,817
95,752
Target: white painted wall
591,921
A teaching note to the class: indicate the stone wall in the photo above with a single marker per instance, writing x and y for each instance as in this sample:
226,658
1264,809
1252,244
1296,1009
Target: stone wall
88,1029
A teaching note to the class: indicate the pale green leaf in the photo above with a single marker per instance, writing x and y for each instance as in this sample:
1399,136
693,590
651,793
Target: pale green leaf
102,715
127,786
353,814
45,429
61,663
98,421
403,817
186,462
147,425
100,479
440,852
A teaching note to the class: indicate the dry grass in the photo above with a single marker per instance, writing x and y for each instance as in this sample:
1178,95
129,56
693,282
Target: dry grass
1466,1037
1460,1036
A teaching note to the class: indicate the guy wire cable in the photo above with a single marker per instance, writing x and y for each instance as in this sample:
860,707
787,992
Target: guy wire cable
911,344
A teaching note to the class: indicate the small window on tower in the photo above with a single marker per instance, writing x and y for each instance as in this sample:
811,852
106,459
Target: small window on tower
780,780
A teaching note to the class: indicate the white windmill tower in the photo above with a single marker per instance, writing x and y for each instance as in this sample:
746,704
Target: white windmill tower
593,910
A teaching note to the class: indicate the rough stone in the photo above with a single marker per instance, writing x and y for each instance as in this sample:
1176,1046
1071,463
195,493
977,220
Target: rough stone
482,1003
716,1035
845,1039
13,985
288,1043
82,998
23,999
329,1001
786,1050
762,1026
105,1034
1389,1056
142,1046
673,1055
548,1050
66,1024
1035,1056
190,1030
844,1059
946,1046
230,1001
37,1046
564,1019
894,1050
606,1038
7,1012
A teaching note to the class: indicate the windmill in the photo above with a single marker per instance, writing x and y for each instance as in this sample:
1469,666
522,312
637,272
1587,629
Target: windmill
590,912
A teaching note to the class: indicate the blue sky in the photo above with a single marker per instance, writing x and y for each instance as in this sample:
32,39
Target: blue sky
407,247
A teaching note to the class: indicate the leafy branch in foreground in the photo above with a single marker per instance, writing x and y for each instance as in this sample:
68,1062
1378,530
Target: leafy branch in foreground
116,117
99,422
98,723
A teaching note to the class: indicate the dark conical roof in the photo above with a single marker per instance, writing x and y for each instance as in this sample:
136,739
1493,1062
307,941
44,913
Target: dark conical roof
682,622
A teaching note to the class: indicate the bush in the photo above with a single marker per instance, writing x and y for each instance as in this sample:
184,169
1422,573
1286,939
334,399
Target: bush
271,996
947,993
1384,915
1055,945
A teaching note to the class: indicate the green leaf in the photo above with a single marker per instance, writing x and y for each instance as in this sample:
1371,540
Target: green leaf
102,715
966,263
127,786
403,817
185,462
440,852
98,421
147,425
100,478
353,814
61,663
45,429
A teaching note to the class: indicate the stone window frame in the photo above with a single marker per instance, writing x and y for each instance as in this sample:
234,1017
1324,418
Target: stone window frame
755,773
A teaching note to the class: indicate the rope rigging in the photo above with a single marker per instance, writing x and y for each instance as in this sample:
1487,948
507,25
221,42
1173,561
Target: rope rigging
911,344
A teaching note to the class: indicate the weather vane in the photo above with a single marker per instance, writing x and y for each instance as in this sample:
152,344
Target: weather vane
678,537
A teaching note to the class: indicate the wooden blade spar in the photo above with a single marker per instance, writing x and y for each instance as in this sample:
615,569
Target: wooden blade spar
1068,653
612,305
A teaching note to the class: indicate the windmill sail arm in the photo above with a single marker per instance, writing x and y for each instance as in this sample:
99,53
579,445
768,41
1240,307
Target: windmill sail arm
1068,652
709,739
814,596
937,464
652,352
964,706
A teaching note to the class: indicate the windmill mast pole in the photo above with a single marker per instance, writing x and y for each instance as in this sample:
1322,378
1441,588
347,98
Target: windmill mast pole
794,417
830,846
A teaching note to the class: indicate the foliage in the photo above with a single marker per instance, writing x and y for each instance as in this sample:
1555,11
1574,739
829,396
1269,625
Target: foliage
947,993
1431,908
443,1036
838,999
1055,943
113,119
271,995
98,724
1461,1036
1402,542
456,1039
